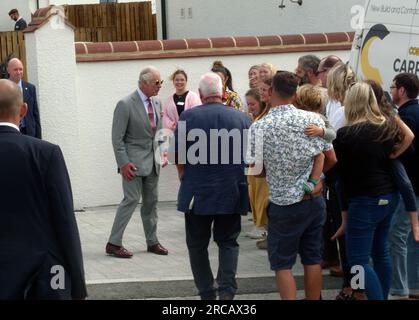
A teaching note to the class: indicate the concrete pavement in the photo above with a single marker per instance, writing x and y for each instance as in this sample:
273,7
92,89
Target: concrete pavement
150,276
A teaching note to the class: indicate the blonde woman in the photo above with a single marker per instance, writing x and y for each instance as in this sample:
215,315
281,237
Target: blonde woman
369,196
266,71
339,78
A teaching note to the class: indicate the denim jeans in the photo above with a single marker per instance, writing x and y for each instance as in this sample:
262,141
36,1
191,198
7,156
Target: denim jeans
367,230
404,254
198,233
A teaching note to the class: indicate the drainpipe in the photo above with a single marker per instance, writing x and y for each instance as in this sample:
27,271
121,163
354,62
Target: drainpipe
163,20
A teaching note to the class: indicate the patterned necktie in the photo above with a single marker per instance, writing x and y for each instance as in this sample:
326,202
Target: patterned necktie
150,112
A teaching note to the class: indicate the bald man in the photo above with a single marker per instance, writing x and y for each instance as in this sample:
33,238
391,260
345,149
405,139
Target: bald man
30,124
40,252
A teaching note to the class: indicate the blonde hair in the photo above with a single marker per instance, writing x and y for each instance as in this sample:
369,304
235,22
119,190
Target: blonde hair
339,78
268,66
361,105
310,98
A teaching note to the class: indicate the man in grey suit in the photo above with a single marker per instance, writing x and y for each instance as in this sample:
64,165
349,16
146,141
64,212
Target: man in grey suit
135,123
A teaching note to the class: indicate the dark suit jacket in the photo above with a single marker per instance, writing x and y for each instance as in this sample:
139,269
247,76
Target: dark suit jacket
32,120
38,228
210,188
20,25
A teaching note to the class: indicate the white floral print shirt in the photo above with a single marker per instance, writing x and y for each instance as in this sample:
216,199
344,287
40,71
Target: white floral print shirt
279,142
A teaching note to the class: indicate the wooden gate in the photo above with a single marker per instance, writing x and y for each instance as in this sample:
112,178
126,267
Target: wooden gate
112,22
12,45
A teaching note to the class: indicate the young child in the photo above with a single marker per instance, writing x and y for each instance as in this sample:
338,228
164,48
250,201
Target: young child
310,98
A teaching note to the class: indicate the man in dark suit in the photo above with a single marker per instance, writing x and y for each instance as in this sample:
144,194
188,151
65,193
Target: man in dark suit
30,124
40,251
20,24
213,188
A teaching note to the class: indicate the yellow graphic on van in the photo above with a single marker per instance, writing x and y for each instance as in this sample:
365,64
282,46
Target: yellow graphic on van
414,51
377,31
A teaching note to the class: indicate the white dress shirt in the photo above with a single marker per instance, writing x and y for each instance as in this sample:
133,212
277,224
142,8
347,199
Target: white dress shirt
9,124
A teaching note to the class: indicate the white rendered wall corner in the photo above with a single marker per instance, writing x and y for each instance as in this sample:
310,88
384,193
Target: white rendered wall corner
52,69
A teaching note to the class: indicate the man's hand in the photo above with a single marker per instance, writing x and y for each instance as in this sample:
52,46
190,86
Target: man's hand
415,225
164,159
128,171
313,130
415,231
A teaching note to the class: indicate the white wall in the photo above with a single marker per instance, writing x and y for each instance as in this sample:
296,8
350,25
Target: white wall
52,68
101,84
250,17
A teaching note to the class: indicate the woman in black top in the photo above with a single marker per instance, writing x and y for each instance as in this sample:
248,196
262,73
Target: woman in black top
369,197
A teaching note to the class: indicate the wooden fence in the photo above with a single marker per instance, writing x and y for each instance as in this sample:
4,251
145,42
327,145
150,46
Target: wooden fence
132,21
12,44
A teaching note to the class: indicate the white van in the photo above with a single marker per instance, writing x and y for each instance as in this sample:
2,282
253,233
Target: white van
388,44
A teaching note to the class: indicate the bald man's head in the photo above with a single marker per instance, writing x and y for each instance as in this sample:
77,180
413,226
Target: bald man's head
15,70
11,102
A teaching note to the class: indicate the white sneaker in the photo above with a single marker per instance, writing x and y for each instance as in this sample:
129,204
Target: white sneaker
257,233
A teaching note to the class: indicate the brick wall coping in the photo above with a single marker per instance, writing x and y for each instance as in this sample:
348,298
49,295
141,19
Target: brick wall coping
181,48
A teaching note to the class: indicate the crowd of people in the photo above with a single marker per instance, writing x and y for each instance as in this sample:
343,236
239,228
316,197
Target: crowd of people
338,184
330,174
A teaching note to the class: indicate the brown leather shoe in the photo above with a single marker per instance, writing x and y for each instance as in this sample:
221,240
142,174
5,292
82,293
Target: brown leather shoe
157,249
117,251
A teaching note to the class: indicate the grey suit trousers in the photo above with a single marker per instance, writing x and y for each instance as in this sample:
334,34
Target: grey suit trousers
133,190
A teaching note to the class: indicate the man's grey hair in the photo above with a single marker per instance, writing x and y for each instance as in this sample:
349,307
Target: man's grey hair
210,85
147,73
309,61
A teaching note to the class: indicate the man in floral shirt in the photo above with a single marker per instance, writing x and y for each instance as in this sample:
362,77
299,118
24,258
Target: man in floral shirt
295,219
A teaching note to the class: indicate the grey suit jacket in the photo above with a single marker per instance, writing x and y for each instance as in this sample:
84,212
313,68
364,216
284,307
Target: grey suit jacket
132,137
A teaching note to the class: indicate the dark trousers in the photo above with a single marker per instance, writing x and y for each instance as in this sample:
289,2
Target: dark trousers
226,230
334,212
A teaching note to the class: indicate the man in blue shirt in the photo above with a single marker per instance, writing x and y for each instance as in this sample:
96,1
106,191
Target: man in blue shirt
405,233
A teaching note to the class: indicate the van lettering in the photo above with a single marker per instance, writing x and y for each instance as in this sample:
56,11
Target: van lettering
411,68
403,66
406,66
396,69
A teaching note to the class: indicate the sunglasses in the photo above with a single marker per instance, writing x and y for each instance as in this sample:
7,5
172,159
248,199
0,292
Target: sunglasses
321,71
